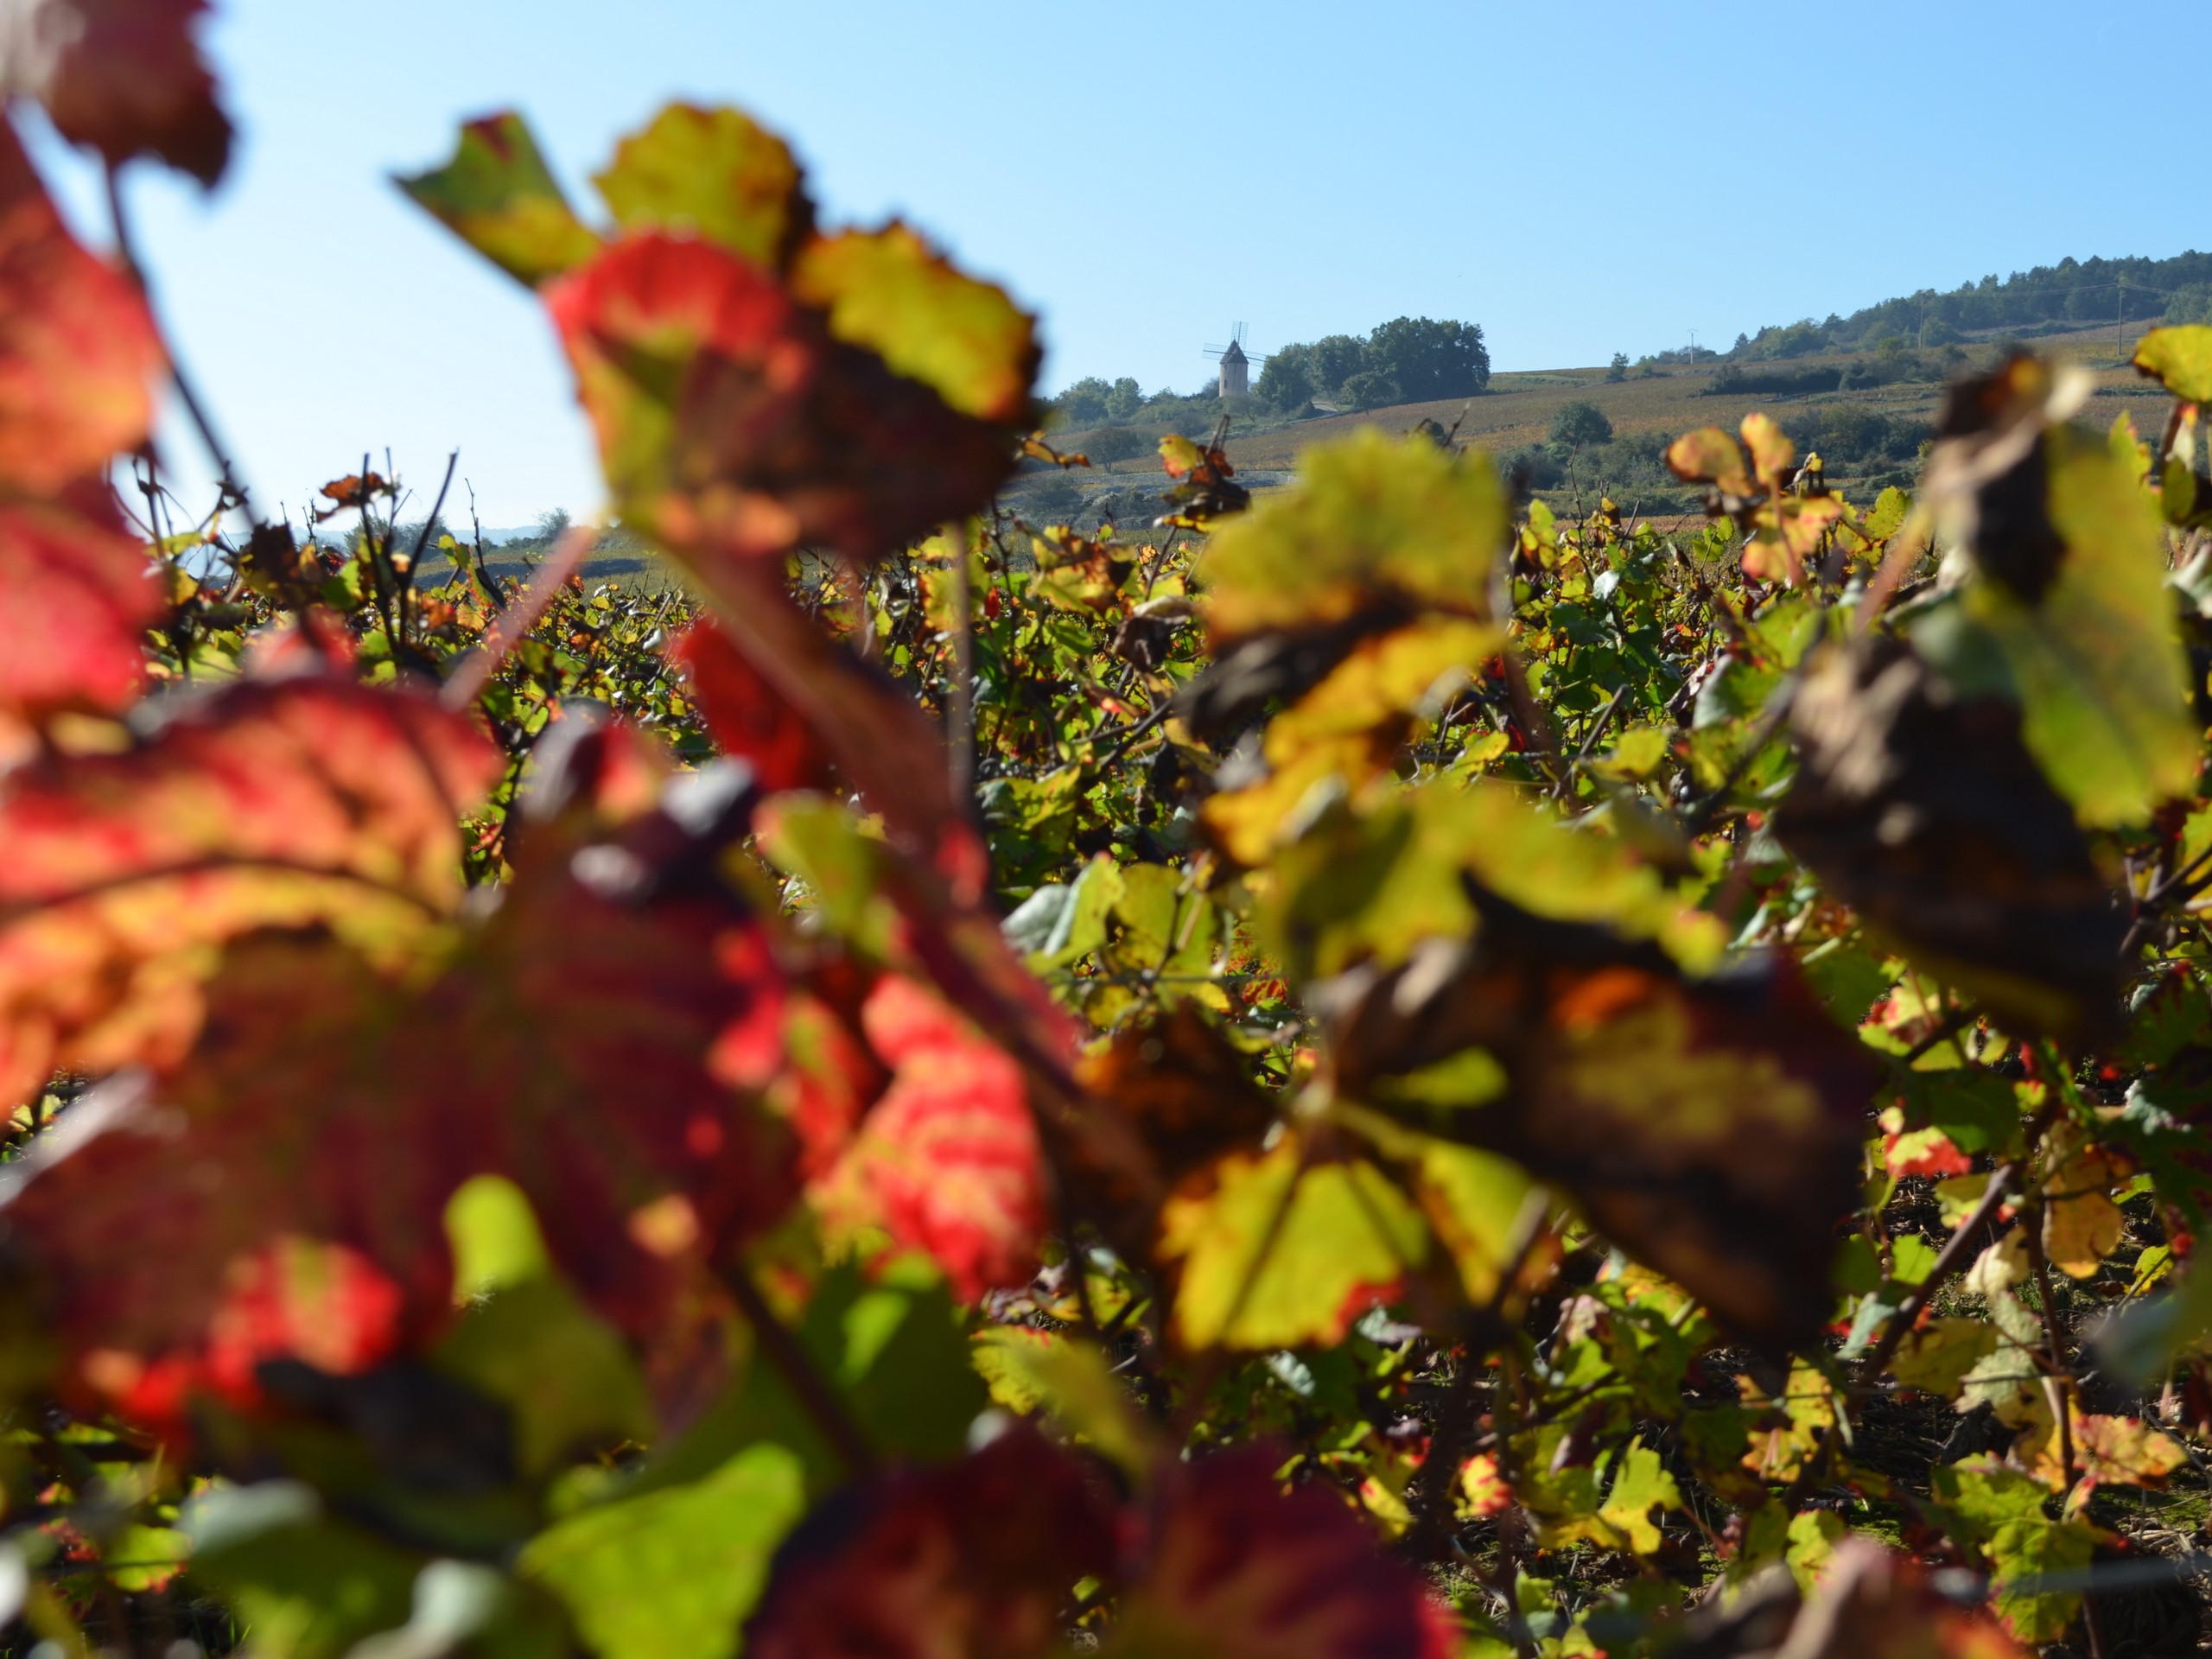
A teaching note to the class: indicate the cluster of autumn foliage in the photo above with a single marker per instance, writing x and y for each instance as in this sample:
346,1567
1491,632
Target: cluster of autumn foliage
1369,1072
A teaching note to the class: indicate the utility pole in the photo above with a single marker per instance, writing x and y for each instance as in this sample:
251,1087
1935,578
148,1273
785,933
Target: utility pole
2120,327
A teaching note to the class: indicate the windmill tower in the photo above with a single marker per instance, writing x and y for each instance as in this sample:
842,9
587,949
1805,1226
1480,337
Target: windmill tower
1235,365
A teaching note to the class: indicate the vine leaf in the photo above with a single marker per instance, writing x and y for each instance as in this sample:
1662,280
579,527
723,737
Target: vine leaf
1372,885
269,805
2082,1225
284,1562
890,293
947,1160
1922,808
1279,1249
733,422
1184,1090
1374,524
746,715
715,173
77,353
2180,360
1750,481
675,1570
81,594
1871,1602
566,1047
1243,1570
2074,620
499,195
1936,1357
975,1557
1350,727
2001,1512
124,77
1707,1126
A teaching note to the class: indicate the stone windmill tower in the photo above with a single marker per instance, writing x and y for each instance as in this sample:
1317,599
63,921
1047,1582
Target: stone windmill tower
1235,365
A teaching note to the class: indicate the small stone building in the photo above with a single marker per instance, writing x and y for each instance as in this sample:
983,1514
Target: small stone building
1236,371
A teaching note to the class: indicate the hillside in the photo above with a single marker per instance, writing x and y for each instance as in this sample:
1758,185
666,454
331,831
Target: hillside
1869,435
2072,294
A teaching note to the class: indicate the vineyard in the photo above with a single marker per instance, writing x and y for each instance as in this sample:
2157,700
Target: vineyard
1377,1070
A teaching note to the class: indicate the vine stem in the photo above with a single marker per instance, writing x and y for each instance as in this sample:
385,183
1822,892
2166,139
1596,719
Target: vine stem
2061,1373
824,1406
960,699
1430,1494
475,671
1948,1264
2061,1384
126,250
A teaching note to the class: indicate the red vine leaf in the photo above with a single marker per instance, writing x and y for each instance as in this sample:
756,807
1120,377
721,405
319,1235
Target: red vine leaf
126,77
567,1047
77,351
287,804
81,593
732,421
1239,1569
948,1160
746,717
978,1560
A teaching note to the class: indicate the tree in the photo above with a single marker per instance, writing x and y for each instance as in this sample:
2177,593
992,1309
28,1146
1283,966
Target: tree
1619,368
1372,389
1580,424
1083,404
1124,399
1336,358
1429,360
1286,379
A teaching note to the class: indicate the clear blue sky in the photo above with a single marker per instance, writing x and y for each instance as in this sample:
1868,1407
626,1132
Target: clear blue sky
1578,179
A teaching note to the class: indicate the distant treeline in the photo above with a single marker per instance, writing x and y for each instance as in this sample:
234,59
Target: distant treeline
1887,366
2071,294
1408,359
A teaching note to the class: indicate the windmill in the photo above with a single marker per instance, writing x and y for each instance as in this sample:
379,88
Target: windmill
1235,363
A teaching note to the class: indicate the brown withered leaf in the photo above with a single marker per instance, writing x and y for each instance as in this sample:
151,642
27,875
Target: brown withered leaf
1709,1127
1179,1083
1923,810
124,76
1203,491
1989,464
354,490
